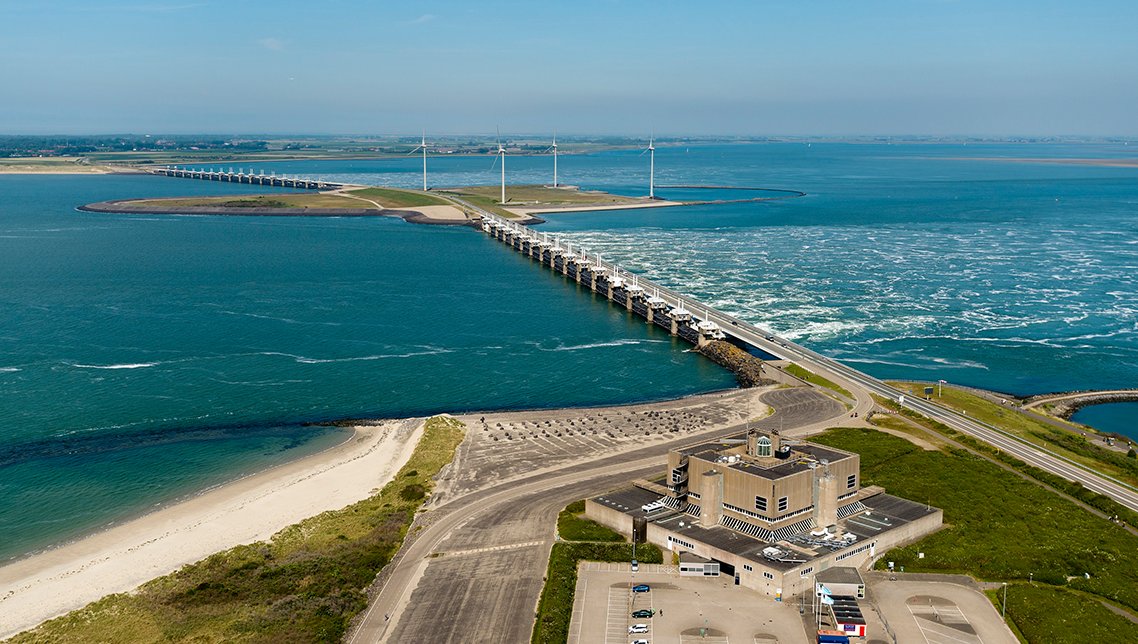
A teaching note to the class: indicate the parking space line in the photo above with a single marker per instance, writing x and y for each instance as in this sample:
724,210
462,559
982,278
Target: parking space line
936,624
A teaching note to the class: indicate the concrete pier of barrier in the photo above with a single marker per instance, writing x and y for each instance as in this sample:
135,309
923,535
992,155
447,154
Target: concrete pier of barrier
250,178
656,304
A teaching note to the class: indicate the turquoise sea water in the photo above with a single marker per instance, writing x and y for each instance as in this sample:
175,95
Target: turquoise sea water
142,358
908,261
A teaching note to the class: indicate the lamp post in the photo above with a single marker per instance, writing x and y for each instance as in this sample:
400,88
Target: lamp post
1004,609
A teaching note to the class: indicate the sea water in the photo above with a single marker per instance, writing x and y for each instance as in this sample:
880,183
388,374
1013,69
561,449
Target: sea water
143,358
965,262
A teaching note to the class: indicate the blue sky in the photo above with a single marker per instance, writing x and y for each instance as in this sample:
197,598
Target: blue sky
822,67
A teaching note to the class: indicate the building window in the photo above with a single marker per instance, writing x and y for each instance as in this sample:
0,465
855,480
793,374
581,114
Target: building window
761,503
782,504
768,575
748,568
681,542
763,446
806,571
851,481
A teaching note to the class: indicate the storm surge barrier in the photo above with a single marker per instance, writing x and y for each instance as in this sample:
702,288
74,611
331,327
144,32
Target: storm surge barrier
251,177
702,324
656,304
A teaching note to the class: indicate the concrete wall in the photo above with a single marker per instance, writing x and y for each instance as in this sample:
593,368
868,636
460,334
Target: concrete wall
610,517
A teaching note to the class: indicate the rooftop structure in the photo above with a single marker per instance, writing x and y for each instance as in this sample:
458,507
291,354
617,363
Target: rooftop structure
770,511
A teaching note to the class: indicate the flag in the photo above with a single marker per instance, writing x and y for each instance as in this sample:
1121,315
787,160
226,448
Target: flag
827,600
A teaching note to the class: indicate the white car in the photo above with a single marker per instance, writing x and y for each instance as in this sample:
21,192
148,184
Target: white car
638,628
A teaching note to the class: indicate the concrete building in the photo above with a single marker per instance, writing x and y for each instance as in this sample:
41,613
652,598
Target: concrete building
771,512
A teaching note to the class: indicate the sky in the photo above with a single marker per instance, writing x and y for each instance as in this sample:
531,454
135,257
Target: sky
763,67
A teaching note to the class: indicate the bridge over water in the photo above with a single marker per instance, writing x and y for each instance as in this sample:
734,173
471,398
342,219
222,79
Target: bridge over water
698,323
252,177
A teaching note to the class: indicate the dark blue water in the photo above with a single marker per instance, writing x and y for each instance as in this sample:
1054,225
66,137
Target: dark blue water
923,261
145,357
1121,418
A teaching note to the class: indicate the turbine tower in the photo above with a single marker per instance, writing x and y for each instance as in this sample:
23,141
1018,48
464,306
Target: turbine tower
651,169
422,146
502,158
554,149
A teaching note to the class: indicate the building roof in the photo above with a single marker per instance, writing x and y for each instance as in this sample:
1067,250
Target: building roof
687,557
839,575
768,467
880,514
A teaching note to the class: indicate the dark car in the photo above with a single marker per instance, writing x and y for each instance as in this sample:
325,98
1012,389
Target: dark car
644,612
641,588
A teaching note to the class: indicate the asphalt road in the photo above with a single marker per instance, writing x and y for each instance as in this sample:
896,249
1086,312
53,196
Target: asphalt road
861,385
474,571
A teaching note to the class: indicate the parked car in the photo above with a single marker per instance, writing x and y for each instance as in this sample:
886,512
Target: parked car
635,565
643,612
638,628
641,588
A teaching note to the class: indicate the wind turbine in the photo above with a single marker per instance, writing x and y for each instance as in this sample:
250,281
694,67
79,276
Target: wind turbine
422,146
651,169
501,157
651,150
554,148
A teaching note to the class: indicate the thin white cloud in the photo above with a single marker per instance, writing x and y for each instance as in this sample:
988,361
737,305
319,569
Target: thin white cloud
425,18
147,8
272,44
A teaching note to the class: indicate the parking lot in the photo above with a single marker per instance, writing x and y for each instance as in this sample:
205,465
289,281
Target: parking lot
686,609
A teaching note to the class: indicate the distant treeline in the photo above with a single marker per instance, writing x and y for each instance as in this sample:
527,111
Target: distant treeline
64,146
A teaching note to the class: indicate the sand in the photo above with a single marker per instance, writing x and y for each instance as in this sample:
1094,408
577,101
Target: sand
439,213
534,210
251,509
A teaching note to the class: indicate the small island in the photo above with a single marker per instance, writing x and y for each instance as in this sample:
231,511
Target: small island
450,206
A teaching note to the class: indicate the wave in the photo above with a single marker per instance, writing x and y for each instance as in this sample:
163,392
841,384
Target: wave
596,345
9,369
129,365
380,356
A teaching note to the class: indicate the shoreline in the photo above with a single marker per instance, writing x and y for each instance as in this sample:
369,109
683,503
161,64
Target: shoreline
410,215
253,508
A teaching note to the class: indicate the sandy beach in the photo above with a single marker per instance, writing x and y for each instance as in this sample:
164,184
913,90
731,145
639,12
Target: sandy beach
251,509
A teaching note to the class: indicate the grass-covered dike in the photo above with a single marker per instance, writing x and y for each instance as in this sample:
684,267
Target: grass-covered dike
303,585
1001,527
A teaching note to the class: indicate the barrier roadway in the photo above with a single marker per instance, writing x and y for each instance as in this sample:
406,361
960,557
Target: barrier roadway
861,384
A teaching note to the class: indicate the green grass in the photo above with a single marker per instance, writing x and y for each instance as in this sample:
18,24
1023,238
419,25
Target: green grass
555,608
998,526
531,196
1098,501
485,203
536,196
1043,613
573,526
1069,443
303,585
302,200
393,198
582,540
815,379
